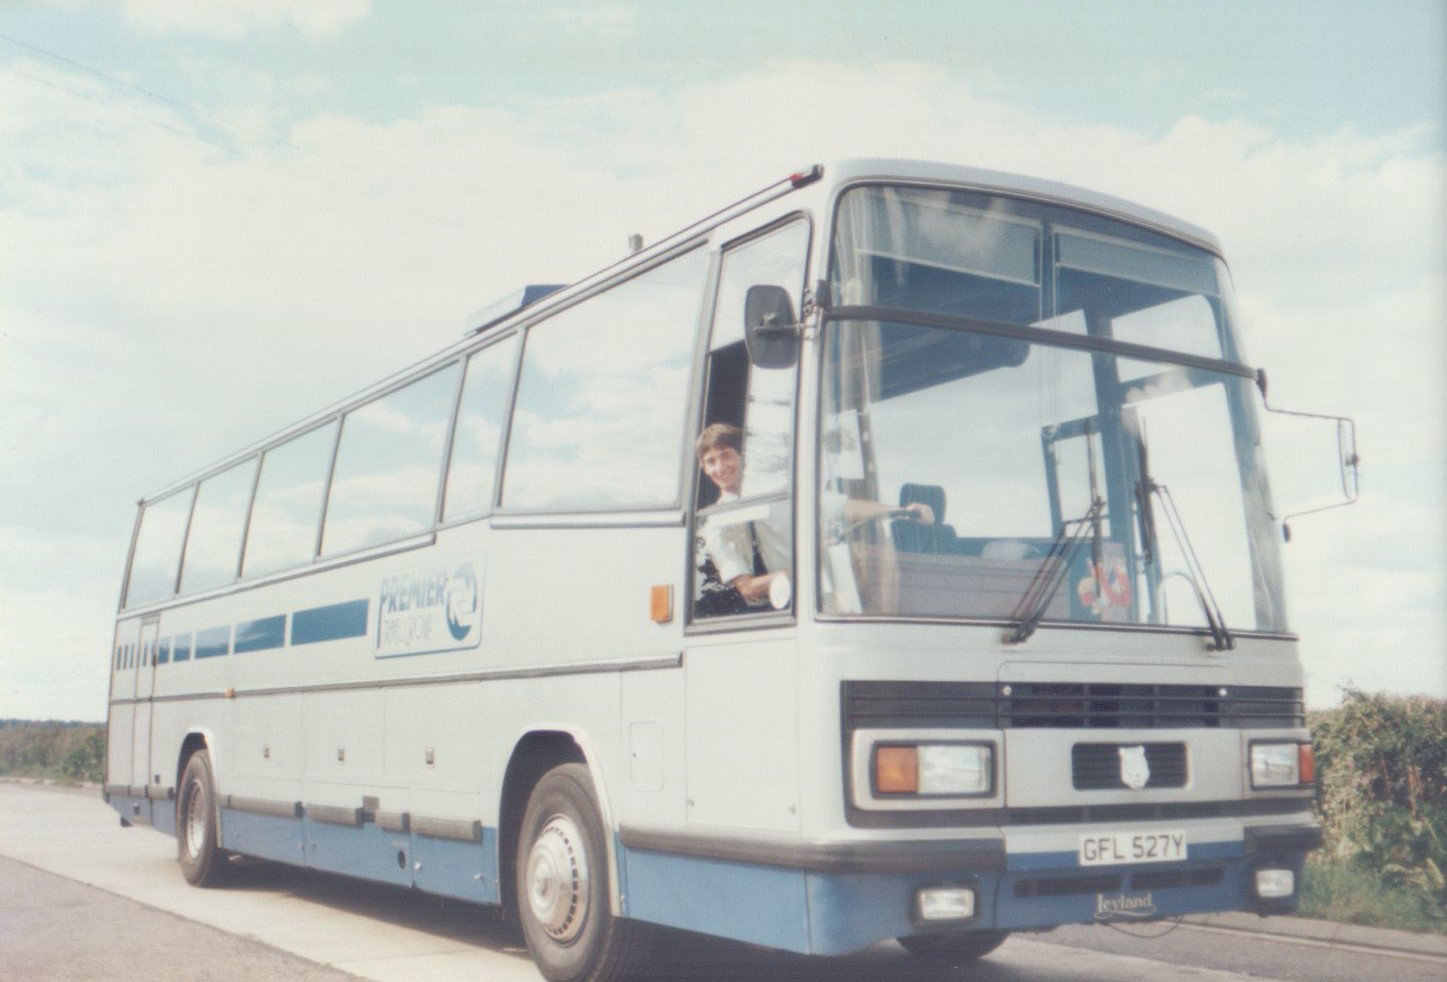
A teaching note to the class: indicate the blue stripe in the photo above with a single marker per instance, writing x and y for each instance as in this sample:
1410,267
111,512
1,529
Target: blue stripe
331,623
258,635
213,641
447,867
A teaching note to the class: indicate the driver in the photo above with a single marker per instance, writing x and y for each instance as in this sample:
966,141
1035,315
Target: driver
750,555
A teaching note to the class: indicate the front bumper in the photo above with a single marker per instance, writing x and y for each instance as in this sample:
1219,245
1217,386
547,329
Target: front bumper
844,897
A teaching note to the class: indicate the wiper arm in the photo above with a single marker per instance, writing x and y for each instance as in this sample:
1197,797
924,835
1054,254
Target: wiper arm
1053,569
1146,515
1221,639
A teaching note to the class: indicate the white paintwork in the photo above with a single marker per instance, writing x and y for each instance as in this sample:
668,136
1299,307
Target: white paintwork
738,734
743,736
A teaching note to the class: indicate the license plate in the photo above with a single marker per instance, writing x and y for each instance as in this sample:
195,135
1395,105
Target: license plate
1112,849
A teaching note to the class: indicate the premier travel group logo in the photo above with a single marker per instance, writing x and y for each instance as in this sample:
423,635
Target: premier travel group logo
461,601
437,608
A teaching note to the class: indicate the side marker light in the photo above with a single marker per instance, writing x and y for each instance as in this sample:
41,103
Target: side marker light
660,603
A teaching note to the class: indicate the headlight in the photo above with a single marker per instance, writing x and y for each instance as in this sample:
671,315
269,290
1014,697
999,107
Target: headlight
1282,765
933,769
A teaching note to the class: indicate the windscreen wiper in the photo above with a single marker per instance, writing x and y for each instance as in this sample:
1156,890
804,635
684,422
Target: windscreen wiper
1146,515
1056,564
1148,488
1053,568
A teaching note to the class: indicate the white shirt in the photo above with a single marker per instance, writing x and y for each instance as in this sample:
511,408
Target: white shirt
729,536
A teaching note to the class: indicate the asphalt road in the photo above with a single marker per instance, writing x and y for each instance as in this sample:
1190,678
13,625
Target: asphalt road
55,928
83,898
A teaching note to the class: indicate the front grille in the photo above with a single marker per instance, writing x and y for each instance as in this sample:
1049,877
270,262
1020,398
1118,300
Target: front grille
1165,879
1069,705
1066,886
1148,707
1097,766
1157,879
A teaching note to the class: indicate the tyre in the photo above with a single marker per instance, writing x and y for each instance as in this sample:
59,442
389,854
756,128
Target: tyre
563,887
956,947
198,824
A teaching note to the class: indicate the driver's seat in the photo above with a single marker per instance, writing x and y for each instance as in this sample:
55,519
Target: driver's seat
914,537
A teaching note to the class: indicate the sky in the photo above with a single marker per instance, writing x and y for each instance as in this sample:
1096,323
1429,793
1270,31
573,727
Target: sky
218,217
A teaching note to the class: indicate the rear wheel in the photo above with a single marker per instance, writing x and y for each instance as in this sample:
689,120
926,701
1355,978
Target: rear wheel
563,885
956,947
197,824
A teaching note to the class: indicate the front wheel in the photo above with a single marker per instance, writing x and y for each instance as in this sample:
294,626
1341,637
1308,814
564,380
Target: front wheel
563,885
197,824
956,948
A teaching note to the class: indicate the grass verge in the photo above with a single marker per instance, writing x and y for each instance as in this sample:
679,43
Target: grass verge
1349,894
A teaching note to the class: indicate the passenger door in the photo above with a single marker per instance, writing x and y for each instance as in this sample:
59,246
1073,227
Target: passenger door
145,684
741,659
120,735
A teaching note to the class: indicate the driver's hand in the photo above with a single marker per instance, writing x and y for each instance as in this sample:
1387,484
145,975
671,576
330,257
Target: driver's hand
923,513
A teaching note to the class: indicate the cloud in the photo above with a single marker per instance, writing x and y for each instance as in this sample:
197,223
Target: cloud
165,300
237,18
610,22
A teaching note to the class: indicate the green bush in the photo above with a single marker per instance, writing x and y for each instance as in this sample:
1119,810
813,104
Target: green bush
86,761
57,751
1382,771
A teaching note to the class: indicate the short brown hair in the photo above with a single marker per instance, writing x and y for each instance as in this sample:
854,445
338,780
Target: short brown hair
719,435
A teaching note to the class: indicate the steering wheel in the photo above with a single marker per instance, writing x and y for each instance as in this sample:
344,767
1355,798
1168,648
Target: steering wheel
893,514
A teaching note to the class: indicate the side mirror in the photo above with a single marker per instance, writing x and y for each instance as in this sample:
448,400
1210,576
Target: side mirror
771,330
1318,432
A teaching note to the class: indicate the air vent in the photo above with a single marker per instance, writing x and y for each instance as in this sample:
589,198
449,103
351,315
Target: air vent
1068,705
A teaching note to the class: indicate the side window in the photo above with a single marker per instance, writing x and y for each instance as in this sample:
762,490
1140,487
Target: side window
389,463
744,534
158,549
478,438
288,507
603,394
213,546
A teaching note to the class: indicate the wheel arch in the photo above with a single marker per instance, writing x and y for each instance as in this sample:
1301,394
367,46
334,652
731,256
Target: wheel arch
535,753
198,738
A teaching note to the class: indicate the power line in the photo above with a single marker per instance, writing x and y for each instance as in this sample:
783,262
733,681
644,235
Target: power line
169,127
92,70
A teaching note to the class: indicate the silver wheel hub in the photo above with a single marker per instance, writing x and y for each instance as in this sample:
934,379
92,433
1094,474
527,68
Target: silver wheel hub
196,822
558,878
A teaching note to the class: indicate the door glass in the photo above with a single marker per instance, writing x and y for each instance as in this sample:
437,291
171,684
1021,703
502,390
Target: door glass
744,534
